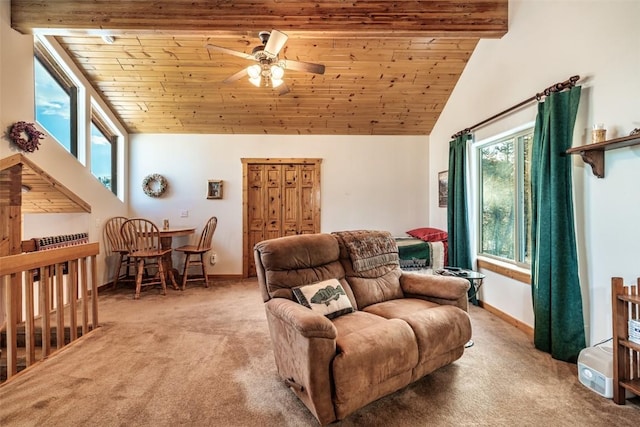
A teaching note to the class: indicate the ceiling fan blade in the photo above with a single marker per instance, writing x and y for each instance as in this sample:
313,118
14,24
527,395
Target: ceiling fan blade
237,76
283,89
308,67
276,42
230,51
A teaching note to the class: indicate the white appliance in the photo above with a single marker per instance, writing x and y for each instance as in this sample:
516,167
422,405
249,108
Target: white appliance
595,369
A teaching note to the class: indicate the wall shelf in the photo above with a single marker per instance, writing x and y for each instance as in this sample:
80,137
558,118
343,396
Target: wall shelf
593,154
626,372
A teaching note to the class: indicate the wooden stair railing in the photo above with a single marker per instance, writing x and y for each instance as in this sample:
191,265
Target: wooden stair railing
57,293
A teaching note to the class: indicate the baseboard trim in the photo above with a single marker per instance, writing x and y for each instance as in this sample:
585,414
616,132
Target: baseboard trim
209,276
225,276
510,320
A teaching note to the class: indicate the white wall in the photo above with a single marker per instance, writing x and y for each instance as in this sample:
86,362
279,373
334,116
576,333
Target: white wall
374,182
17,103
547,42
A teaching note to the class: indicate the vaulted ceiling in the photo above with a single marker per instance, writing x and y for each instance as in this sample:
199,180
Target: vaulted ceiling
390,66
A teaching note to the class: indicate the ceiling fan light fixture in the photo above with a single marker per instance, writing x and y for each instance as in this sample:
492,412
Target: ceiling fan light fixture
254,71
255,81
276,82
277,72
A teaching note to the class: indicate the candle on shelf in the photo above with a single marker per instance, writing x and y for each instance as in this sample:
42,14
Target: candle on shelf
599,133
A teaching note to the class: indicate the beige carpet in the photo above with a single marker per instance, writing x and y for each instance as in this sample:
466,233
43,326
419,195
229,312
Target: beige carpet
202,358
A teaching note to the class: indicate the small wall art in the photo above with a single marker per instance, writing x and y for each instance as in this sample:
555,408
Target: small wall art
443,188
214,189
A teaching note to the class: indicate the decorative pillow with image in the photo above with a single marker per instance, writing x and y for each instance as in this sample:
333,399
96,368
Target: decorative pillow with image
327,298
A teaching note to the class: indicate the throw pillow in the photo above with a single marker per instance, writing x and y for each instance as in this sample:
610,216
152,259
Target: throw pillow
327,298
429,234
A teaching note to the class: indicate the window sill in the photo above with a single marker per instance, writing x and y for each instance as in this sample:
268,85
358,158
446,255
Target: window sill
505,269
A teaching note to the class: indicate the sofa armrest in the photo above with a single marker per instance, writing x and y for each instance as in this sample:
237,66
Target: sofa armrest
303,320
440,289
304,346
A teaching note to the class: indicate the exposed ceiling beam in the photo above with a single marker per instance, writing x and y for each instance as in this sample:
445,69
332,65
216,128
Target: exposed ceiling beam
427,18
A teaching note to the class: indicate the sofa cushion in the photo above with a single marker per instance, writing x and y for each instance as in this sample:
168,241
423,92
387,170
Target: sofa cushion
369,291
288,262
327,298
438,329
381,280
396,308
371,361
354,322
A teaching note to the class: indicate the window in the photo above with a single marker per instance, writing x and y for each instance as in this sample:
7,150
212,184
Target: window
55,101
505,197
63,109
103,153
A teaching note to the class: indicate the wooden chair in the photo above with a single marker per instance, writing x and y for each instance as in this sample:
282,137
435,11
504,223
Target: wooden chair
143,241
119,246
199,250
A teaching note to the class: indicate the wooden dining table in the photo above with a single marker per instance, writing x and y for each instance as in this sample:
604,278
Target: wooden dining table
166,242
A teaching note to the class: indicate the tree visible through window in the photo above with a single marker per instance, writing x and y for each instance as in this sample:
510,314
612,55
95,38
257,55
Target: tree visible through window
505,198
103,154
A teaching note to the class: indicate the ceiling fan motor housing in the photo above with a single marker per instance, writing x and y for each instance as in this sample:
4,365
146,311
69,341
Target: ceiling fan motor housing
258,50
264,37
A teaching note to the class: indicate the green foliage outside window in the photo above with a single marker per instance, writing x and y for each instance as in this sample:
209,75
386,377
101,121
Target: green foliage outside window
102,155
505,198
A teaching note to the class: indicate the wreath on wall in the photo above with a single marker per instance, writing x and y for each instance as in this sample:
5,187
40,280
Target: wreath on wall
25,136
154,185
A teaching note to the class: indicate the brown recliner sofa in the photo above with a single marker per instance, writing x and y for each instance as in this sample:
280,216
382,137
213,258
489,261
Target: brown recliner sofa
389,327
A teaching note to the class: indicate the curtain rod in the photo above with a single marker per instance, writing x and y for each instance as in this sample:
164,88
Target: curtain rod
558,87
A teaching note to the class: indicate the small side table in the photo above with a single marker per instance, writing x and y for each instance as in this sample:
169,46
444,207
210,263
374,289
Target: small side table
475,278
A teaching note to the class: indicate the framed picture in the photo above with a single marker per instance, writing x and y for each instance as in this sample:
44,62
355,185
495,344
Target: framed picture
214,189
443,188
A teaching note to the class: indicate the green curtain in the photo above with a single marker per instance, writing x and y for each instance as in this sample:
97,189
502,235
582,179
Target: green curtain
457,221
557,301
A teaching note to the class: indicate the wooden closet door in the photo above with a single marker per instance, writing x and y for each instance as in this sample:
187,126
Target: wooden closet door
281,198
309,199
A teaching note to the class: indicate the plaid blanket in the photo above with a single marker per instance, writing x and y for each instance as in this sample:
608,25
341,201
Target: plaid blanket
416,254
61,241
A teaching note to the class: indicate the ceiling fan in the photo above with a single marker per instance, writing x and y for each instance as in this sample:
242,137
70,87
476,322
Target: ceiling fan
269,70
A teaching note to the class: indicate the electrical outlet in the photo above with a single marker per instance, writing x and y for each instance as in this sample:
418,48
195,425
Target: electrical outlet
213,258
184,214
98,222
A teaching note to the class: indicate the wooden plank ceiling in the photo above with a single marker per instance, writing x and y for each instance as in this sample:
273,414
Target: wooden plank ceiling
39,191
390,65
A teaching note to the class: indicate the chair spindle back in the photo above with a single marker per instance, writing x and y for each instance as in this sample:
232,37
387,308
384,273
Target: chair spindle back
207,233
140,235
